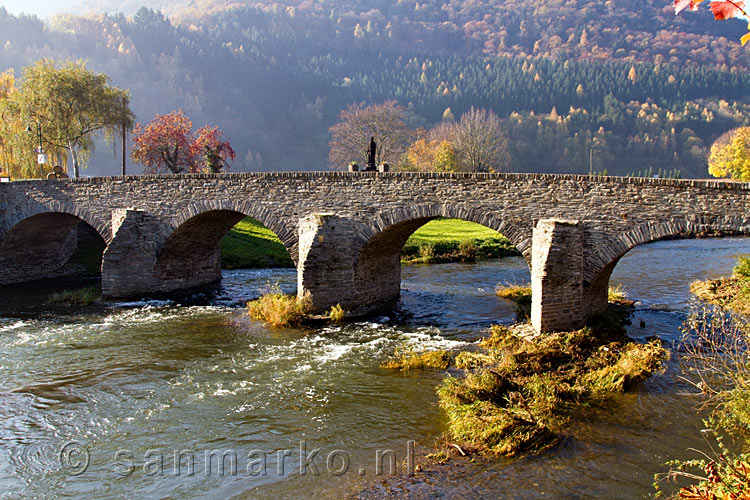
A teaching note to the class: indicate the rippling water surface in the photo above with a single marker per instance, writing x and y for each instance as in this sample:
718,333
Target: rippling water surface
97,404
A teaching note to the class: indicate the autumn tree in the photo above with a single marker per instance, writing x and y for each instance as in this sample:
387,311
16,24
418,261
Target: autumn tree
350,138
164,144
167,144
426,155
214,151
730,155
477,140
72,104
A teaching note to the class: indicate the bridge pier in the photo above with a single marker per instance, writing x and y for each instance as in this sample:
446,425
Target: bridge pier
325,270
557,288
128,261
338,265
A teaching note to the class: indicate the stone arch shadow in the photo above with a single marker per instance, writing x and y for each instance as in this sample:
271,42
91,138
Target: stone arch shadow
38,241
603,258
188,254
377,263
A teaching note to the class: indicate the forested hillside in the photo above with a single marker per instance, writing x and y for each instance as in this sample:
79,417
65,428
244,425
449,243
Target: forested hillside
617,85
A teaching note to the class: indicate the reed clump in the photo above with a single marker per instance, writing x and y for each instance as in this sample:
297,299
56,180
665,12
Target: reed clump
280,310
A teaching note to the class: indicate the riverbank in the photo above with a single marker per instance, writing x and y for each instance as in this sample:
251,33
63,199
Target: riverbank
732,293
455,240
249,244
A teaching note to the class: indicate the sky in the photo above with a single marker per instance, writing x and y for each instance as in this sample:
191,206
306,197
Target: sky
42,8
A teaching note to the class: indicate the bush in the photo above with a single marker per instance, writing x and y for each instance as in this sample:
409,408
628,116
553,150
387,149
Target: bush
742,269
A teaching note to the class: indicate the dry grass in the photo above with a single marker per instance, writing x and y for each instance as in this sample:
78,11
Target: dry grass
518,395
520,294
278,309
731,293
617,294
407,359
513,291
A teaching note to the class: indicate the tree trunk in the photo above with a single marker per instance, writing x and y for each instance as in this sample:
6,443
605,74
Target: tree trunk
74,155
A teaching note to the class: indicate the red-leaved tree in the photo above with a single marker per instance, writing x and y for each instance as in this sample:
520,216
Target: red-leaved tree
167,145
215,152
722,9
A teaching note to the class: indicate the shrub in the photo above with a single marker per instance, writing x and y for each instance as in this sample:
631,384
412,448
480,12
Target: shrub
717,363
468,249
742,268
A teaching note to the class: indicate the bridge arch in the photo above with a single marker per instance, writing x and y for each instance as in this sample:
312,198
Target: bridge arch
605,256
377,262
38,241
189,254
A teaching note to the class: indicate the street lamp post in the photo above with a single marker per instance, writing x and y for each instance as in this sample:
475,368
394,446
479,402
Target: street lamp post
41,158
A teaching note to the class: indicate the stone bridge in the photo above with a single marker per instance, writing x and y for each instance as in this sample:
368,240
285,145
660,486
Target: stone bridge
345,230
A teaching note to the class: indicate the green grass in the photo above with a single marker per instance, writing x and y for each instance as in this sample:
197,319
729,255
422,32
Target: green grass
80,297
249,244
450,240
450,229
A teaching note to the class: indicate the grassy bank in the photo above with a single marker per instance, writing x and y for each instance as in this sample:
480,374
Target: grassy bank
731,293
516,393
249,244
455,240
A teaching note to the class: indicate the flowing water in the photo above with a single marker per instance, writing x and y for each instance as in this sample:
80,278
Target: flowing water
191,399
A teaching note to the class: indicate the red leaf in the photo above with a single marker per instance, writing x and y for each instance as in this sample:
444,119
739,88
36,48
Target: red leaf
727,9
680,5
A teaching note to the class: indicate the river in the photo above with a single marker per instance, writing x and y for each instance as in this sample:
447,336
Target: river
99,403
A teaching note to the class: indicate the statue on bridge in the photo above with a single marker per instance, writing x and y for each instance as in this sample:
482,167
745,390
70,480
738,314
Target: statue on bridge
371,166
371,156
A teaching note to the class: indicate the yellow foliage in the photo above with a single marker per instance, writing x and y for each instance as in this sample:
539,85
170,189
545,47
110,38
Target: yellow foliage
432,156
730,155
